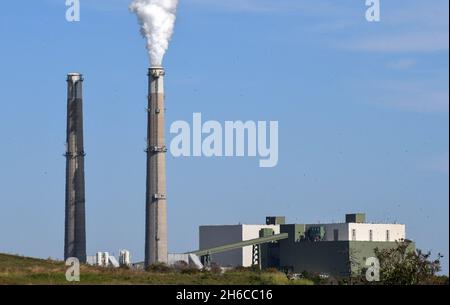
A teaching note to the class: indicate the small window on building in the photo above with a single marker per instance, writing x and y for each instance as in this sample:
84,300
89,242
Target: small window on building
354,234
370,235
336,234
388,237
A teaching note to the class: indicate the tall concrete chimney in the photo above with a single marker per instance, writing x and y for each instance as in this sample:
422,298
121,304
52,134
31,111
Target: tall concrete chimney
75,229
156,205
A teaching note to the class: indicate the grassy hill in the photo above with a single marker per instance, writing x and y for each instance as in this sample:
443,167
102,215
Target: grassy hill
25,270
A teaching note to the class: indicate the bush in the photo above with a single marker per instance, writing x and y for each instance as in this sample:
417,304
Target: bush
437,280
271,270
158,267
402,266
275,278
180,266
185,268
125,267
190,270
215,268
253,268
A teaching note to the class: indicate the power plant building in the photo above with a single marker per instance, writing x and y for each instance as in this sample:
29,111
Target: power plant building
338,249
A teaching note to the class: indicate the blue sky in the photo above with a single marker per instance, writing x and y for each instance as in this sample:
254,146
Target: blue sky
363,113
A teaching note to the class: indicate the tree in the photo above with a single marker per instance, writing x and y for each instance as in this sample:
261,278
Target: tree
404,266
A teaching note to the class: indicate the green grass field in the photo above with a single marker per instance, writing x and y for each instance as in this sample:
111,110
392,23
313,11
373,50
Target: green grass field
17,270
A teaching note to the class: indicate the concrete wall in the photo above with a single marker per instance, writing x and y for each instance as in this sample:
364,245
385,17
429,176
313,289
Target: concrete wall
252,232
316,257
213,236
173,258
396,231
329,231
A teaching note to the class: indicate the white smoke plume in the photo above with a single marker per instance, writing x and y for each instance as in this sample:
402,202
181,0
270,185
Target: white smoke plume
157,20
